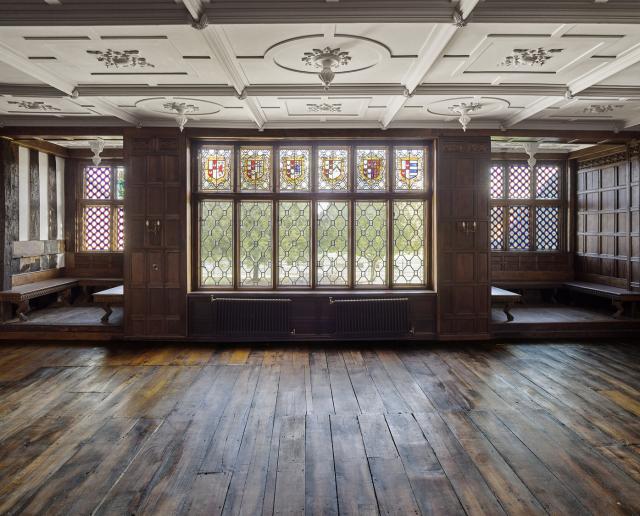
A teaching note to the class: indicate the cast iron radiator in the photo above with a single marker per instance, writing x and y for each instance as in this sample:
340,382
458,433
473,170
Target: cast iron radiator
371,316
250,316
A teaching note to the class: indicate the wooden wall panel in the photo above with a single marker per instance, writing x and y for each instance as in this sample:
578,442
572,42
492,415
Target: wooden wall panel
514,267
462,260
155,267
606,206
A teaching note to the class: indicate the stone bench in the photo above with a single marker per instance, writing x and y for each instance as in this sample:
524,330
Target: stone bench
108,298
618,296
499,295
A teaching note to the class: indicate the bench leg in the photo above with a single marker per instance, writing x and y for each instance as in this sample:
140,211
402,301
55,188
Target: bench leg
108,311
619,307
23,310
507,311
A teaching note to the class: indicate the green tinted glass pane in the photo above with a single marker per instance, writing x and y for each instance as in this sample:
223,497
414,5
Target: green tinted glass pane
294,243
120,183
408,242
216,243
371,243
255,244
333,243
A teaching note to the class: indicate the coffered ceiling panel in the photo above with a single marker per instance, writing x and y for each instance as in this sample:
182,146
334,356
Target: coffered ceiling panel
42,106
324,107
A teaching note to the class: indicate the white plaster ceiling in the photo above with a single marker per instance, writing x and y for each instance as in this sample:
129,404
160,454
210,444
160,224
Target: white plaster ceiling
400,74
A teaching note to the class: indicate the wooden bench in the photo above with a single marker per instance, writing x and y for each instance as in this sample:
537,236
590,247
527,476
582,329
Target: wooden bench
618,296
21,295
499,295
108,298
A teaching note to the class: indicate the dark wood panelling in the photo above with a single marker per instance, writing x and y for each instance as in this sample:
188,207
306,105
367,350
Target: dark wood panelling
94,265
34,195
155,267
531,266
52,196
462,200
9,231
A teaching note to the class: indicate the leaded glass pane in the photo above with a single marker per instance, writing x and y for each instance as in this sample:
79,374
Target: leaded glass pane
97,183
216,168
255,244
120,228
294,169
519,181
547,228
371,243
255,169
408,242
371,169
333,243
548,182
96,221
409,169
119,183
216,243
519,227
333,169
497,228
294,243
497,182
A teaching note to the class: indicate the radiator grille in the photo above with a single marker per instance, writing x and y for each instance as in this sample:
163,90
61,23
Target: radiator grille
245,316
372,316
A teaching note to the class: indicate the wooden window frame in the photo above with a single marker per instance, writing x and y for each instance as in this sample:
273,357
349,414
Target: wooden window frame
112,202
532,203
314,195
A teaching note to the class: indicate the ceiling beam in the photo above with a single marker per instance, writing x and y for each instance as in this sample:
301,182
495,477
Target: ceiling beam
604,72
195,7
107,107
531,110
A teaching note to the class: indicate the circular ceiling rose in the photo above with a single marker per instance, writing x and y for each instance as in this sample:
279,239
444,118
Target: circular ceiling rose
157,105
364,52
487,106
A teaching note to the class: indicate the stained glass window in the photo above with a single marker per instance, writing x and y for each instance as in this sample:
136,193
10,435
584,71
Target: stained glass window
255,244
216,168
519,181
294,169
408,244
333,243
519,227
294,243
497,228
409,169
333,169
371,169
497,181
101,209
371,243
216,243
547,182
547,228
256,165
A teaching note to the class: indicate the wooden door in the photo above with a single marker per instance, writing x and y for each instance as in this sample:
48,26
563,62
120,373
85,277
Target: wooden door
155,272
462,235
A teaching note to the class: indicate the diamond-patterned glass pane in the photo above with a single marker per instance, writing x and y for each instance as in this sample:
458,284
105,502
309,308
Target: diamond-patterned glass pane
547,228
497,182
409,169
497,228
333,169
371,169
119,183
294,243
519,227
371,243
333,243
97,228
294,169
408,242
216,243
548,182
216,168
255,169
519,181
255,244
97,183
120,228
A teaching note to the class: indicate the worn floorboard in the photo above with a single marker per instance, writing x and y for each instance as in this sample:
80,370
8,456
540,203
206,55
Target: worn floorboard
545,428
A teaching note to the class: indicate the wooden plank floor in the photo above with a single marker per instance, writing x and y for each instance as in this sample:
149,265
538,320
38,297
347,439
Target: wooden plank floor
545,428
